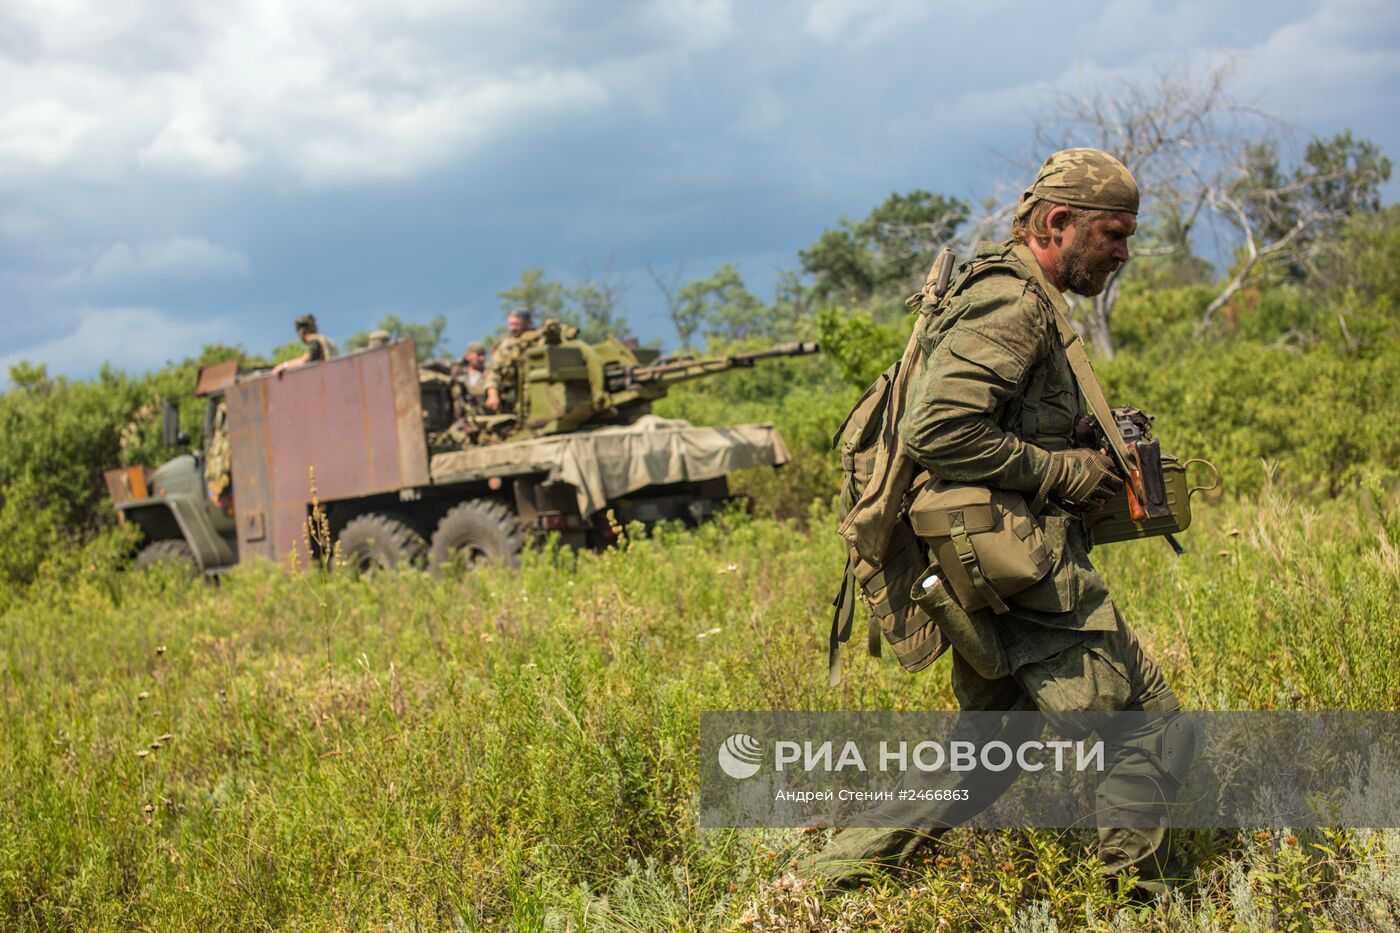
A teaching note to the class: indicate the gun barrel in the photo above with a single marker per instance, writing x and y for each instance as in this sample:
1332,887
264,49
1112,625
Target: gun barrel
685,369
783,349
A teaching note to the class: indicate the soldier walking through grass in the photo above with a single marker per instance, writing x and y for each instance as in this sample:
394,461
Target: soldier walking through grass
994,404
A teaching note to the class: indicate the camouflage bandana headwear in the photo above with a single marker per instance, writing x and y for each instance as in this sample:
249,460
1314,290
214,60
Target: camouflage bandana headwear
306,322
475,347
1085,178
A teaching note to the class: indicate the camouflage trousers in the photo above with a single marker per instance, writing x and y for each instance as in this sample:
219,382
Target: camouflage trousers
1104,671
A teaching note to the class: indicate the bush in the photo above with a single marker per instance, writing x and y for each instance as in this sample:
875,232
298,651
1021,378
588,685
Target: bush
59,438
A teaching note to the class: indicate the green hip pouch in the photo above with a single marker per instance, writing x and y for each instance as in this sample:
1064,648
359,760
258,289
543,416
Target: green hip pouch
986,542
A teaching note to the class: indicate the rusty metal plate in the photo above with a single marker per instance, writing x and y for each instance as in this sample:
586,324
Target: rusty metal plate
356,421
213,378
126,484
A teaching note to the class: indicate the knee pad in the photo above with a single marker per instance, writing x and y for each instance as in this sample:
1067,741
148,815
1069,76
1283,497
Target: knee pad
1166,740
1177,747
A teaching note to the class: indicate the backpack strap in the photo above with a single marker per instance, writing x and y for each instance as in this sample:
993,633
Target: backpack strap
842,616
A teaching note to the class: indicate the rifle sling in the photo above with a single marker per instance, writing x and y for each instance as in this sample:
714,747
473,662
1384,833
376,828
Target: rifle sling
1093,390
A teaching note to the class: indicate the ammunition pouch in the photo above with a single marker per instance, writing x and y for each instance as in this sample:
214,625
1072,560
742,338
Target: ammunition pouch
987,543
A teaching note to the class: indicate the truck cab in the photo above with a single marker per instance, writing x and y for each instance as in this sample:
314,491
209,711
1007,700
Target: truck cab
179,518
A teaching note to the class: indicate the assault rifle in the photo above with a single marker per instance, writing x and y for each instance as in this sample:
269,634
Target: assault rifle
1140,463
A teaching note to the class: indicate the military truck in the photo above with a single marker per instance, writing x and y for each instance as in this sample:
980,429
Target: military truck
580,455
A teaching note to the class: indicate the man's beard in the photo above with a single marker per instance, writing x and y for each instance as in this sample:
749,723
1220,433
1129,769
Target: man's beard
1079,276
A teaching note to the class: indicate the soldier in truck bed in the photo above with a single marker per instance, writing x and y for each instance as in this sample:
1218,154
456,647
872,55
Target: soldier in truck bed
471,378
500,379
318,346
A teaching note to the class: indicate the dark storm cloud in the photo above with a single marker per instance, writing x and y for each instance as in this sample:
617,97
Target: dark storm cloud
255,161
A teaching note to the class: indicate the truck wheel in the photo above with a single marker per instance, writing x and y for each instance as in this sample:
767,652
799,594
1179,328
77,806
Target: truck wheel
175,551
380,541
477,532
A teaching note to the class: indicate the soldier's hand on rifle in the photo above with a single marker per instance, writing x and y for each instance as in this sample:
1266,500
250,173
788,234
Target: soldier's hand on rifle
493,399
1082,478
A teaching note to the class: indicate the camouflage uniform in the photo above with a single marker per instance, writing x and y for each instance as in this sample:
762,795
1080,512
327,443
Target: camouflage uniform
995,395
500,373
469,385
319,347
508,352
218,467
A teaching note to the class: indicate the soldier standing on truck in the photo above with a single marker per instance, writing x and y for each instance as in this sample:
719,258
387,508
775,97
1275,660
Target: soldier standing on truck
470,376
500,383
218,463
318,346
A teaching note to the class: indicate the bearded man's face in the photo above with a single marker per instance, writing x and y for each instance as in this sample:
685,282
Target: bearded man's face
1098,248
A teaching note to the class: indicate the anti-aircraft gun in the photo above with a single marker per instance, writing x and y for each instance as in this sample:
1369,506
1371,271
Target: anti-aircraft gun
564,384
579,444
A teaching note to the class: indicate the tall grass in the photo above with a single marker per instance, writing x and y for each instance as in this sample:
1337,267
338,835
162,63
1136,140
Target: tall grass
517,749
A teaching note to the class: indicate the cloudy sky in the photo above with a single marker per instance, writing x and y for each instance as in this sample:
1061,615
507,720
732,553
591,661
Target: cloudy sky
176,174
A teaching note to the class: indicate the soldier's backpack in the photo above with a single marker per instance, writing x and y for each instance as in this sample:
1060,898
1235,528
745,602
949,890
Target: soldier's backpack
864,440
987,544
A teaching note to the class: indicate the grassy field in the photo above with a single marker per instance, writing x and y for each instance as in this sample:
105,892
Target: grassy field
518,750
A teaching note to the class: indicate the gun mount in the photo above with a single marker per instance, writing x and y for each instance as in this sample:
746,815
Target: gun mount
565,385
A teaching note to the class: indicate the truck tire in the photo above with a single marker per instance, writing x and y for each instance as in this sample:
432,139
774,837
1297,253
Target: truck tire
380,541
175,551
476,532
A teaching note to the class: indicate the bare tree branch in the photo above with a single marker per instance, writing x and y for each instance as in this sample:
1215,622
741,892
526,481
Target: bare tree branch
1169,133
1283,218
670,287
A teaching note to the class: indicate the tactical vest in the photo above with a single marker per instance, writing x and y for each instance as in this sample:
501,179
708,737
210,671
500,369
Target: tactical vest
327,345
